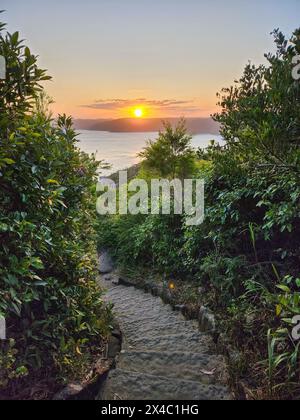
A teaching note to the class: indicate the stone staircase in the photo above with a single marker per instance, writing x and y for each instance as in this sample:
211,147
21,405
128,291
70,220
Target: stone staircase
164,356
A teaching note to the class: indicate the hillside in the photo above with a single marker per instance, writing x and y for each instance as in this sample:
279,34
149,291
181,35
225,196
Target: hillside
194,125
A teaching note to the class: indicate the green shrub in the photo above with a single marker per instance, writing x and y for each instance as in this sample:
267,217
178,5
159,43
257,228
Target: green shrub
171,155
283,348
48,293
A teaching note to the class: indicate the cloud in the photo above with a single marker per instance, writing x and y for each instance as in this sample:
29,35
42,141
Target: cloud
162,104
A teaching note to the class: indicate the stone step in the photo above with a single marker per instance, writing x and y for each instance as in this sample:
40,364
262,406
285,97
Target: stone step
155,319
204,368
147,313
164,357
140,329
148,308
125,299
195,342
124,385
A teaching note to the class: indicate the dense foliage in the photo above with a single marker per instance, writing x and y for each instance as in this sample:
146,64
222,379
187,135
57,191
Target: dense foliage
171,155
48,294
245,256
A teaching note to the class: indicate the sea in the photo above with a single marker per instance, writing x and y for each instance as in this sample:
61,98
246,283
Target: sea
120,150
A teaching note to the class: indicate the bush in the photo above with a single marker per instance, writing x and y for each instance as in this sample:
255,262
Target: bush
48,294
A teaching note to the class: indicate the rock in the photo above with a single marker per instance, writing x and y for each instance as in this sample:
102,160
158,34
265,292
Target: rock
116,332
113,347
116,282
180,308
70,392
107,278
125,282
167,296
156,290
207,320
105,263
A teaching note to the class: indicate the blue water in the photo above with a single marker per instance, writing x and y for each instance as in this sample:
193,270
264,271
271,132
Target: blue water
120,149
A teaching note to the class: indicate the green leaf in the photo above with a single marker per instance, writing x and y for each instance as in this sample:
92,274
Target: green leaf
52,181
27,52
16,309
37,263
15,38
278,310
8,161
284,288
40,283
4,227
11,280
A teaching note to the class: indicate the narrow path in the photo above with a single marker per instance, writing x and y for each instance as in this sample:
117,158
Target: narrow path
164,356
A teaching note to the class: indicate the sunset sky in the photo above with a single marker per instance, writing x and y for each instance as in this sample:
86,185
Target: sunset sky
166,57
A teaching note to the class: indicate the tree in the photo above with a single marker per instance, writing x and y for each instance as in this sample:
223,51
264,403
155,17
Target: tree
260,114
171,155
22,85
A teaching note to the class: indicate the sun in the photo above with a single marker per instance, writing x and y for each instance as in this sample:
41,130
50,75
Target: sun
138,113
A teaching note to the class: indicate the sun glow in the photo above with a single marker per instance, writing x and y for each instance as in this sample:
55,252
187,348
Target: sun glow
138,113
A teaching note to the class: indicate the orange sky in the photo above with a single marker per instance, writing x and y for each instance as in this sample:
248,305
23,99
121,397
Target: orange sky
170,57
124,108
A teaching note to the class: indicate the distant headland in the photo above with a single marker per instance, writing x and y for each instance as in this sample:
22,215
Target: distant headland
134,125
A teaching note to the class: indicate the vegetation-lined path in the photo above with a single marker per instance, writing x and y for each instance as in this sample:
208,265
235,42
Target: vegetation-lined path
164,357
